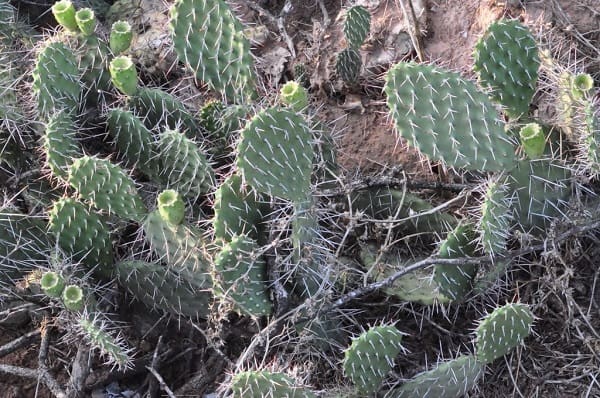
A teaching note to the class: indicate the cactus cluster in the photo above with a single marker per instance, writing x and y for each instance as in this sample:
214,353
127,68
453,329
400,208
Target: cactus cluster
357,24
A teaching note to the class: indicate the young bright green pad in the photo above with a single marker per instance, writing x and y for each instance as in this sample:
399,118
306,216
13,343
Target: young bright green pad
237,211
164,288
275,154
357,25
452,379
211,41
59,143
455,281
348,65
261,384
52,284
447,118
107,187
502,330
184,165
56,79
507,62
81,233
371,356
241,275
496,216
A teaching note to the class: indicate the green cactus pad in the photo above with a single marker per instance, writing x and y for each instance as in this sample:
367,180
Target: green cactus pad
455,281
52,284
261,384
165,288
210,40
447,118
114,348
496,216
133,140
180,246
93,53
507,62
275,154
171,207
357,26
56,79
238,212
81,233
348,65
502,330
59,143
64,13
107,187
452,379
371,356
159,108
184,165
540,190
242,276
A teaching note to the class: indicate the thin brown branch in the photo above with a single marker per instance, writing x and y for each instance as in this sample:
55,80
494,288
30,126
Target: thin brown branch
18,343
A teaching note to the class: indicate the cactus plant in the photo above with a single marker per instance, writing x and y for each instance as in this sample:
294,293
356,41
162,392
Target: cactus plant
258,384
241,274
112,347
294,95
170,207
496,215
275,154
507,62
461,128
533,140
357,26
52,284
73,298
59,143
348,65
451,379
86,21
106,186
210,40
371,356
56,79
123,75
64,13
120,37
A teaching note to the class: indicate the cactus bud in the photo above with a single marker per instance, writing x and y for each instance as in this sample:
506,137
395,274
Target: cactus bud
52,284
171,207
533,140
294,96
581,84
72,298
86,20
64,13
120,37
124,75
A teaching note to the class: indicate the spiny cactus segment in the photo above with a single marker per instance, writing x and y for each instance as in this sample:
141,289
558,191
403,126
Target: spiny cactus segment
348,65
502,330
56,79
210,40
112,347
461,127
455,281
82,234
241,275
106,186
259,384
371,356
275,154
507,62
496,216
452,379
357,26
59,143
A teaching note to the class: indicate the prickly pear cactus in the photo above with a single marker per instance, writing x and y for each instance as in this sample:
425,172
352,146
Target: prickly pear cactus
56,79
357,26
238,211
455,281
447,118
348,65
371,356
452,379
496,216
111,346
82,234
259,384
241,275
507,62
165,288
59,143
275,154
502,330
184,165
107,187
210,40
